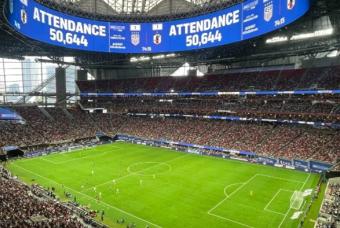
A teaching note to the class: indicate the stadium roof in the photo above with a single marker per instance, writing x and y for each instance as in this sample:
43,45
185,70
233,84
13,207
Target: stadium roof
322,14
129,6
149,7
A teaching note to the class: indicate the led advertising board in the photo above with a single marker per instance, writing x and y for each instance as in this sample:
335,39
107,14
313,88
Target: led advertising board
243,21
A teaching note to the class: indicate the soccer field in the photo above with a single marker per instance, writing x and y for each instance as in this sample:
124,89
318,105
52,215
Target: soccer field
163,188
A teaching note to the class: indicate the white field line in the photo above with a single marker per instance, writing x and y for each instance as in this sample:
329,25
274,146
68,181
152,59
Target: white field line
131,174
90,197
239,188
76,159
279,178
226,187
284,218
277,193
244,183
46,160
231,194
88,156
230,220
65,153
281,189
275,212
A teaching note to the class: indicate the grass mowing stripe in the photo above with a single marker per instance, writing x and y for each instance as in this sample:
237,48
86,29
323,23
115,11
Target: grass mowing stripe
89,197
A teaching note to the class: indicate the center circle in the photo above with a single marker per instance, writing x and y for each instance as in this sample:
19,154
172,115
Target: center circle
149,168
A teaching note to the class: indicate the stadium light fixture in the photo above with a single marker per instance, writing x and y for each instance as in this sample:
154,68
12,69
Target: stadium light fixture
170,55
277,39
333,54
318,33
158,57
133,60
148,58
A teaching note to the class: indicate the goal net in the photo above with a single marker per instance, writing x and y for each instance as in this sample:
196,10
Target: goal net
296,200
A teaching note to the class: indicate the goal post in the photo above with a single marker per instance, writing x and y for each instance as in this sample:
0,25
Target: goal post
296,200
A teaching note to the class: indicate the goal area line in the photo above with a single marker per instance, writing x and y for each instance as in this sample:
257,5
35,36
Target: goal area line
227,196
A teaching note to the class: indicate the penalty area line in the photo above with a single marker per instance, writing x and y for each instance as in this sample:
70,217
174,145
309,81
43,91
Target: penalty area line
231,194
285,216
277,193
230,220
90,197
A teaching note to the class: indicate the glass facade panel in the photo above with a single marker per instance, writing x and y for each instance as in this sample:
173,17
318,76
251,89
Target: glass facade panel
25,76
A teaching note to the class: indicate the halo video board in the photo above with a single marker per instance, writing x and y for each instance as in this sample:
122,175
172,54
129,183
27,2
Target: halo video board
247,20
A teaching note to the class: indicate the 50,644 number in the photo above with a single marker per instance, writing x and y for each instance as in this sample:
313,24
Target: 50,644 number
67,38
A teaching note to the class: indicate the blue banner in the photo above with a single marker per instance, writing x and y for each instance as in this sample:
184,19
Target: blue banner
300,164
243,21
270,93
188,145
266,161
237,118
9,148
319,166
285,162
7,114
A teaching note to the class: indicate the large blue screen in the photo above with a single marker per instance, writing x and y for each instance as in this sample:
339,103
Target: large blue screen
240,22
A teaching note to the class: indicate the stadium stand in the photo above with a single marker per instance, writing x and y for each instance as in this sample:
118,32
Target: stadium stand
310,108
267,139
312,78
330,214
270,77
25,206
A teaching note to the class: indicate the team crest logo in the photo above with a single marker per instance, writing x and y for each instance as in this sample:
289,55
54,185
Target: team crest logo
135,38
11,6
268,12
290,4
23,16
157,39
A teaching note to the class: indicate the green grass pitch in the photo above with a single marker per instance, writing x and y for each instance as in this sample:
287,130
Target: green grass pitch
157,187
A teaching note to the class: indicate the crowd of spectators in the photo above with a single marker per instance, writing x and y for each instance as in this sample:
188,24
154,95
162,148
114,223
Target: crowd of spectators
267,139
329,216
312,78
40,128
325,108
20,207
61,125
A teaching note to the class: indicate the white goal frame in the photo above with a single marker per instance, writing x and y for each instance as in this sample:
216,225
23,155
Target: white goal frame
296,200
